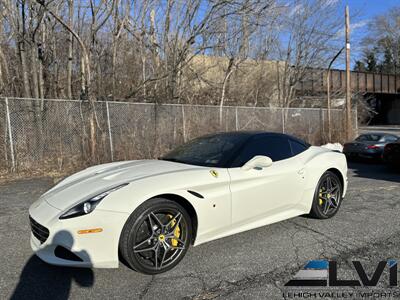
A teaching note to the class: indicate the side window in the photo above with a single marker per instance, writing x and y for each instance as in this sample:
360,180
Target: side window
390,138
297,147
275,147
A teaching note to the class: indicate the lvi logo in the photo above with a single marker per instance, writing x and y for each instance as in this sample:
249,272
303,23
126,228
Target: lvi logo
324,273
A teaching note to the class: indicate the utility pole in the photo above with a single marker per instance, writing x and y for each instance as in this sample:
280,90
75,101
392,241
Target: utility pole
328,94
348,81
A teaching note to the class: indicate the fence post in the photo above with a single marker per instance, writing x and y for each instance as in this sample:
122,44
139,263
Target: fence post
322,125
109,132
356,117
283,120
183,123
10,136
236,119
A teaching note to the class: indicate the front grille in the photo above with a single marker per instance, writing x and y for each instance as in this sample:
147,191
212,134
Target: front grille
39,231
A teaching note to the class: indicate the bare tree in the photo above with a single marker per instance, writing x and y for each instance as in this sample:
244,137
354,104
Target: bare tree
383,42
85,62
4,73
70,48
311,40
14,12
149,50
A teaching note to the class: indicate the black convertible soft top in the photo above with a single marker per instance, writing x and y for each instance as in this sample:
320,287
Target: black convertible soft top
253,133
233,149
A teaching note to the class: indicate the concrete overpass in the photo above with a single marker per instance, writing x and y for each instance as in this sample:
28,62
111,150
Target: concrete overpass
382,91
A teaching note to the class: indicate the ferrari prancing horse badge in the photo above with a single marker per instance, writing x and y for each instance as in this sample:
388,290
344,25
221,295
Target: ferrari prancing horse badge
214,173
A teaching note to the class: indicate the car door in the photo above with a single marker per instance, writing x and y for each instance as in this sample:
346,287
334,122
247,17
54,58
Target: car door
263,192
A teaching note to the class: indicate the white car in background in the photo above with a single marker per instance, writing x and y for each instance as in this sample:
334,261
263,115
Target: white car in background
148,212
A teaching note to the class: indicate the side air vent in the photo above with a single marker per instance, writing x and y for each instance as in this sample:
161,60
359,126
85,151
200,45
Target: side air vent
196,194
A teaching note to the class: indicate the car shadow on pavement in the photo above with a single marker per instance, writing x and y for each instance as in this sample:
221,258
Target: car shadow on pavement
39,280
377,171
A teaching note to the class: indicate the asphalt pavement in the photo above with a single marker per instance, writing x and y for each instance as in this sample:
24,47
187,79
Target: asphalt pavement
253,265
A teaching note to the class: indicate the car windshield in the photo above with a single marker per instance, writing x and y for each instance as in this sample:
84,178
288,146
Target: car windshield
369,138
208,151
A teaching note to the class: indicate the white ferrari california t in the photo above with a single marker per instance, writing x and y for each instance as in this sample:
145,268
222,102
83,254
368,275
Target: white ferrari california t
148,212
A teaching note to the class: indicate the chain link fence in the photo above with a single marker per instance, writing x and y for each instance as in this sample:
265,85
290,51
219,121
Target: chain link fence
53,135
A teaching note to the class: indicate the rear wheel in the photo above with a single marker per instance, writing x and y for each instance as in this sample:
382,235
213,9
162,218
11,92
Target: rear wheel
156,236
327,196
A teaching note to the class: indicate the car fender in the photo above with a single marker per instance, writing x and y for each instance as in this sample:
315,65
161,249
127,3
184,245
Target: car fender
316,163
212,203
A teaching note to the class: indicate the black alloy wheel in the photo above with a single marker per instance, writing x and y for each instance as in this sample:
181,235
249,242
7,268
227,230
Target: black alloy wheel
327,197
156,236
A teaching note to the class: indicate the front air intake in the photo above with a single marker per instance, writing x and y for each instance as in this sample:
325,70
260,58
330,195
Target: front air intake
66,254
39,231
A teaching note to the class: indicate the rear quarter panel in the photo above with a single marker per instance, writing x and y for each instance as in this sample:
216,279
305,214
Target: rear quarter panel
317,161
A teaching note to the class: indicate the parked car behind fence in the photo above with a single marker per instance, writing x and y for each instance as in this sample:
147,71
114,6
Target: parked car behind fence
369,145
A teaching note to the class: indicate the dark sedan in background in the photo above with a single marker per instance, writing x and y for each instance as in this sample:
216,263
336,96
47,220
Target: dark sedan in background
391,154
369,145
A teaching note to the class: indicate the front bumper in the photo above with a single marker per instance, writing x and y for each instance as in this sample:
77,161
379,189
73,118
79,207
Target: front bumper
98,249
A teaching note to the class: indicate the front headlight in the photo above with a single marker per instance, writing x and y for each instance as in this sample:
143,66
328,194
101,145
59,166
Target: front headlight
87,206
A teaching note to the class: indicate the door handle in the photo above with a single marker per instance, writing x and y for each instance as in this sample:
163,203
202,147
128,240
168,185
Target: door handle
302,171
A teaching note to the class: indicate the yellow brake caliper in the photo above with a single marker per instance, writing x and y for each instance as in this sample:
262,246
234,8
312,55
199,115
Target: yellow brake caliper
321,201
177,232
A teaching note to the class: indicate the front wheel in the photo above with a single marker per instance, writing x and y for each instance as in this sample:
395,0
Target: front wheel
156,236
327,196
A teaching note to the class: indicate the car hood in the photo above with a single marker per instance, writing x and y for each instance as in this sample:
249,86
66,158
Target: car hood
95,180
364,143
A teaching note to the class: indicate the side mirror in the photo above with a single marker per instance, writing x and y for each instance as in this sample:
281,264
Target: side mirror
257,162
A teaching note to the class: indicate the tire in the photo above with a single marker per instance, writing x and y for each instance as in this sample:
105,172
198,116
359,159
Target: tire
156,236
327,201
